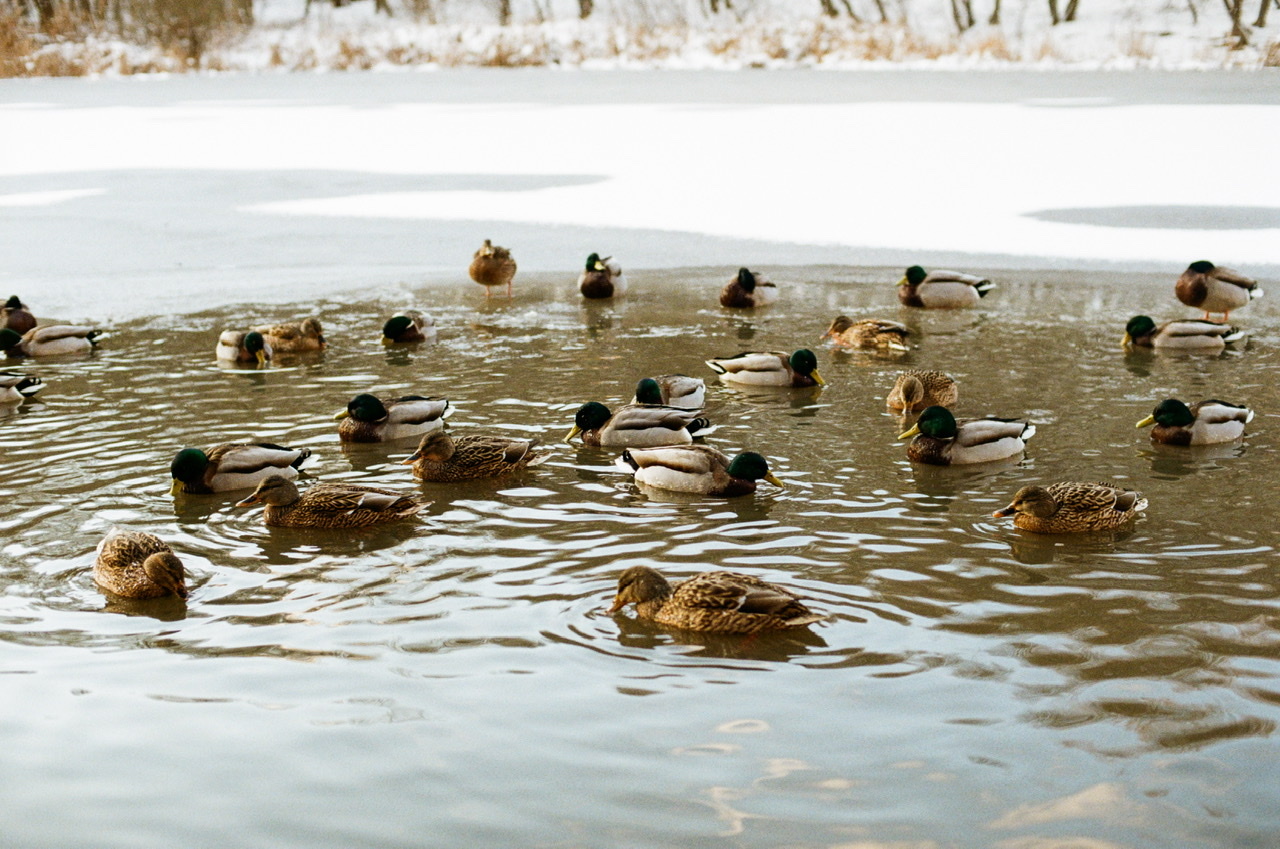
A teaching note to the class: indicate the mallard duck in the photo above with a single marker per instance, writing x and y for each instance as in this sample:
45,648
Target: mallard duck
1187,333
868,333
16,317
1071,506
408,327
294,337
493,266
747,290
602,278
942,441
51,340
133,564
727,602
442,458
328,505
941,289
672,390
1213,288
1204,423
635,426
915,390
698,469
368,418
239,346
15,388
769,368
232,465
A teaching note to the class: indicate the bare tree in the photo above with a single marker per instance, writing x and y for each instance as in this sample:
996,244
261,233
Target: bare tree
1238,29
1071,10
585,8
1263,8
962,13
995,14
504,12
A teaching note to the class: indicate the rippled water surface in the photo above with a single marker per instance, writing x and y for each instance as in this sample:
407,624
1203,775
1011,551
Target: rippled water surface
456,682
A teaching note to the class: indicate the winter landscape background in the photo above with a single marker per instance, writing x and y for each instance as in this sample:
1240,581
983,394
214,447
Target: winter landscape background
79,37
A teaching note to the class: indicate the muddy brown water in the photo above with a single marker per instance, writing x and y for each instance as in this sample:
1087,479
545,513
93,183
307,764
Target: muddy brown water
456,681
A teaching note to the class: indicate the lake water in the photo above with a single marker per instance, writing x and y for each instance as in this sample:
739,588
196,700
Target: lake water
456,681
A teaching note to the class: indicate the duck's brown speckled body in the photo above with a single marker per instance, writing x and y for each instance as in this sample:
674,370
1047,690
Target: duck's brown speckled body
725,602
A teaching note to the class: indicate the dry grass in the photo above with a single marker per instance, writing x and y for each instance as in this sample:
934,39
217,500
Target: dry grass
71,47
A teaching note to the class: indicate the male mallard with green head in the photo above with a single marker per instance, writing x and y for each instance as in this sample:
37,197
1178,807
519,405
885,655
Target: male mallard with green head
1073,507
724,602
50,340
672,390
602,278
1205,423
868,333
238,346
294,337
370,419
442,458
1213,288
942,441
699,469
15,316
407,328
748,289
635,426
769,368
134,564
493,266
917,389
941,289
1187,334
232,465
329,505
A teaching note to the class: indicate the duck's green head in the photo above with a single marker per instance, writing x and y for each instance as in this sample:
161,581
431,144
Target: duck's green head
590,416
1171,413
395,326
648,391
804,362
188,467
746,279
9,339
1201,266
365,408
1139,325
594,263
913,276
936,422
255,343
750,466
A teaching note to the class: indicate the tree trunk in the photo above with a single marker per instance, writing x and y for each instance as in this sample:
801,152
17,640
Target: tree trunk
884,14
829,8
504,12
1237,28
1071,10
585,8
994,20
1053,12
1261,20
962,13
848,7
1195,15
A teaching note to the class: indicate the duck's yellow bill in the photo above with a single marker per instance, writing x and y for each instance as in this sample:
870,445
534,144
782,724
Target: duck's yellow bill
262,357
341,415
773,479
176,487
1126,341
574,431
817,378
903,282
915,429
1147,422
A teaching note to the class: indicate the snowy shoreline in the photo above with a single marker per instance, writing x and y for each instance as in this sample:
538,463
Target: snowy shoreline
1109,35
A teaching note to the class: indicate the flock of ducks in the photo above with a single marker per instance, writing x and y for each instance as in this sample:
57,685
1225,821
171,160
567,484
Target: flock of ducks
656,433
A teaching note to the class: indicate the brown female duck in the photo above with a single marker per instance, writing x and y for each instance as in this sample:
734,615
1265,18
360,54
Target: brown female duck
725,602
